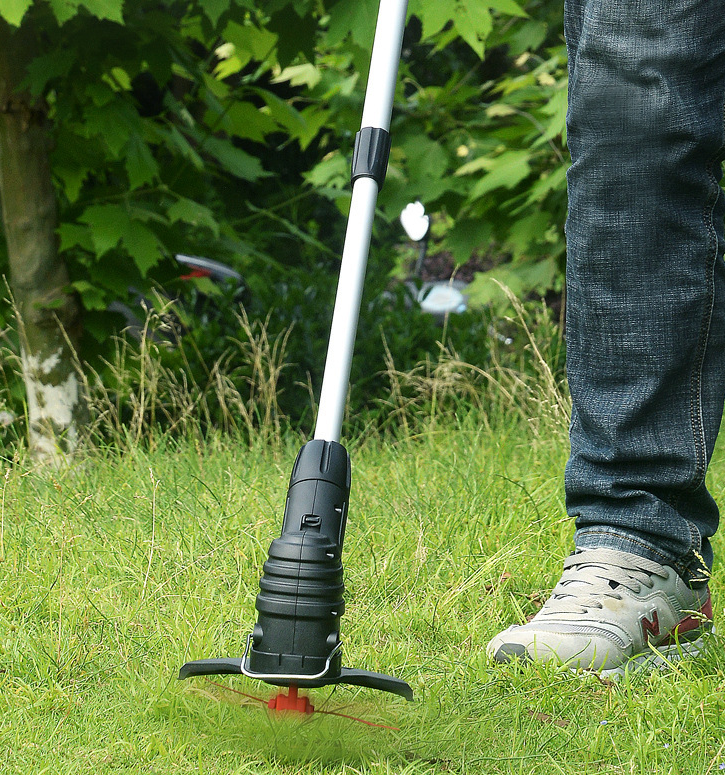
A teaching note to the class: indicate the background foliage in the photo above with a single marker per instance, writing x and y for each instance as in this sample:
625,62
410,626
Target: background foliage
225,129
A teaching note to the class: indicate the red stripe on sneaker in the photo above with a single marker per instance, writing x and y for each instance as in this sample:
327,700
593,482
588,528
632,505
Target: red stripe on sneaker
691,622
651,626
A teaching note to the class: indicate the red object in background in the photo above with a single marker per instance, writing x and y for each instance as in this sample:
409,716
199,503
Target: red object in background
291,701
196,273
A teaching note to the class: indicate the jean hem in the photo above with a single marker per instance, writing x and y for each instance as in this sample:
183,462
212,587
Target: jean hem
691,568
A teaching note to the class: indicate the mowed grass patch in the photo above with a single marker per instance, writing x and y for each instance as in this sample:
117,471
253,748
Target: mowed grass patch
121,568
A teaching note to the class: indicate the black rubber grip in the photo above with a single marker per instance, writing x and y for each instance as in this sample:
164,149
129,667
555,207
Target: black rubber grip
300,598
371,153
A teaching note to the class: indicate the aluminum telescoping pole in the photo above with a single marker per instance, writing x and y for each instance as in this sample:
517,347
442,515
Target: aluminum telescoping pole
376,115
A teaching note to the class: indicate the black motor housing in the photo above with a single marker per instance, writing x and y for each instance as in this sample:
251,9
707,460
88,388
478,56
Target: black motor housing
301,590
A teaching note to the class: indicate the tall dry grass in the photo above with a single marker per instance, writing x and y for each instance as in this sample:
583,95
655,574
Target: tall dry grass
140,394
519,381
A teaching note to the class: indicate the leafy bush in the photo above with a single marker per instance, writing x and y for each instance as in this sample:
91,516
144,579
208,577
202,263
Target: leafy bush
225,129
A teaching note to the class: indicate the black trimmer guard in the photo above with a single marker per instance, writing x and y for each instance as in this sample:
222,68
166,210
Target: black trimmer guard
347,675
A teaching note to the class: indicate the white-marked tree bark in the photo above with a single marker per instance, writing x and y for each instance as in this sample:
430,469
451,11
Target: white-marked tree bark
48,315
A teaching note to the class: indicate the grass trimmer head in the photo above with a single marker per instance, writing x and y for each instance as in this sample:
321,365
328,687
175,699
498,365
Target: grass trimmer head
296,640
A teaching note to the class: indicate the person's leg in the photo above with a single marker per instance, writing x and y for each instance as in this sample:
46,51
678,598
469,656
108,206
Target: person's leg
645,274
645,329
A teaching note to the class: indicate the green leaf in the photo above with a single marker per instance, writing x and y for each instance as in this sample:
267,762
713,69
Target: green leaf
353,17
44,68
235,160
64,9
115,123
142,245
554,180
114,273
283,113
106,9
433,15
112,225
107,223
121,79
72,177
72,235
509,7
206,285
213,9
333,170
177,142
250,39
100,92
140,164
305,74
14,10
193,213
467,236
232,64
314,120
473,23
556,108
476,165
526,37
506,171
528,232
92,295
243,119
427,165
73,160
521,279
138,212
295,35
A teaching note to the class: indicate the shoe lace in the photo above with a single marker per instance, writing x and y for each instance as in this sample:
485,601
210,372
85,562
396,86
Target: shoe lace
592,575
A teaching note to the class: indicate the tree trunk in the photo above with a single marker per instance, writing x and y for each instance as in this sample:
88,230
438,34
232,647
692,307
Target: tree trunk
48,315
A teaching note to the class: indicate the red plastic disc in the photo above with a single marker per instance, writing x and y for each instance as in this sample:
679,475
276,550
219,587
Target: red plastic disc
291,702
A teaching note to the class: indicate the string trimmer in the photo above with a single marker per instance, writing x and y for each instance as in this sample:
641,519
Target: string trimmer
296,640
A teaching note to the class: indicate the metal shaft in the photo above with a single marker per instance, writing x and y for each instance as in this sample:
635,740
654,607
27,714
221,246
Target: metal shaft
376,113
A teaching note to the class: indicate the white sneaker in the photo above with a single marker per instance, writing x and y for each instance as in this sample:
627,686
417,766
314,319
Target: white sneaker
611,611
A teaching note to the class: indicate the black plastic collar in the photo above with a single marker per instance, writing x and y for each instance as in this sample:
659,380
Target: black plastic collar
370,157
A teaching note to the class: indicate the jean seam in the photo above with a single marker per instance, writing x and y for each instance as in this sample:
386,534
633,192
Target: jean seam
696,418
696,412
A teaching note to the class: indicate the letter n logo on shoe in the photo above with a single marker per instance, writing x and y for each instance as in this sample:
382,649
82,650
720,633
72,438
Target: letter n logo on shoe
651,626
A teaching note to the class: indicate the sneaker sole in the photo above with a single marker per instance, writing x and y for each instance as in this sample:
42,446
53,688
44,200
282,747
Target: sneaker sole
659,658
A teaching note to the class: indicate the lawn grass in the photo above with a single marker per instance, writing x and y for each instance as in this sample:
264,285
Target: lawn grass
119,569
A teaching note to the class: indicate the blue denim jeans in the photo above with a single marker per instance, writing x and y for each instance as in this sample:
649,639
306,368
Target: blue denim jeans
645,274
